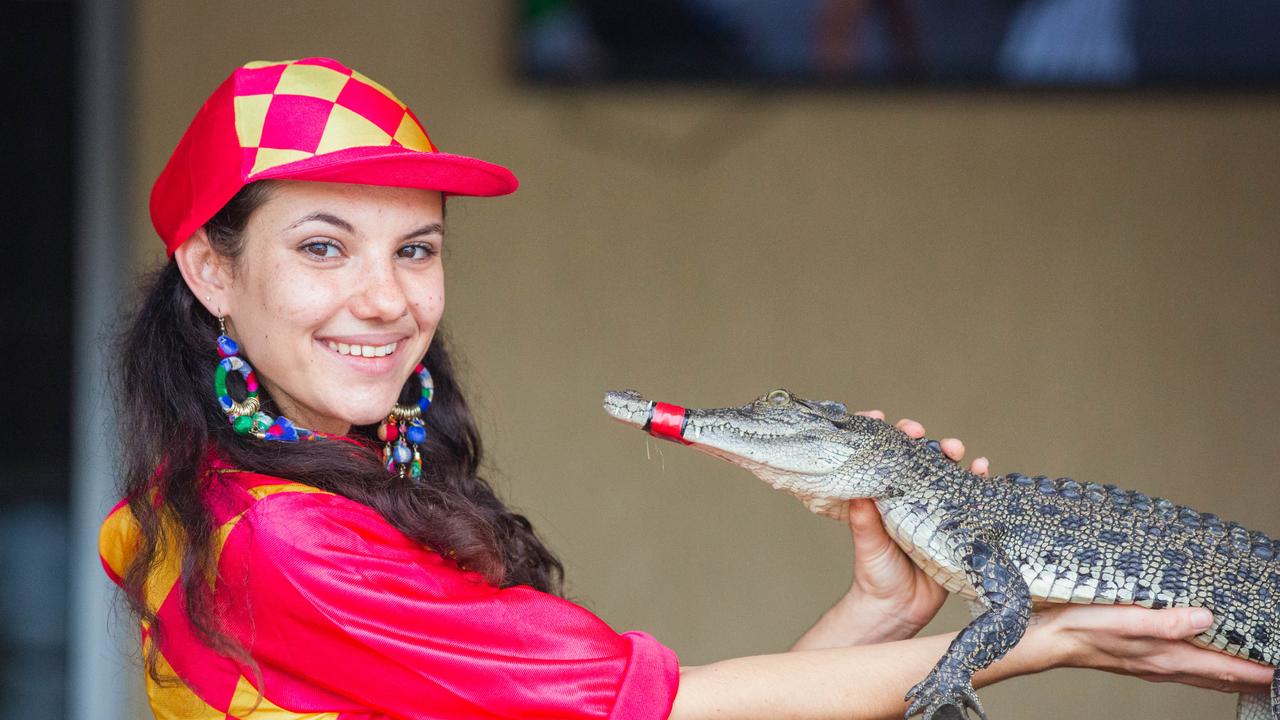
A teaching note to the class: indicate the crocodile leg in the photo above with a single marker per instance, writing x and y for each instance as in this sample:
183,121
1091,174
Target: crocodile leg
949,686
1260,706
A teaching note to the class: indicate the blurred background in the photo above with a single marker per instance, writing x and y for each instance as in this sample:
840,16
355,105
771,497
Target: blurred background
1048,227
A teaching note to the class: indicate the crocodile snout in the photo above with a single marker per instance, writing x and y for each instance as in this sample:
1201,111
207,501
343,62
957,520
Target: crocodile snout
628,406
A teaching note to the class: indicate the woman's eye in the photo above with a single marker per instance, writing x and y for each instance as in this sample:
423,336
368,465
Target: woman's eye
416,252
321,249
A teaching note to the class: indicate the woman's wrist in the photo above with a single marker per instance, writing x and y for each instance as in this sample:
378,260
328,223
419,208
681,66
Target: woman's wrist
1065,647
880,620
857,619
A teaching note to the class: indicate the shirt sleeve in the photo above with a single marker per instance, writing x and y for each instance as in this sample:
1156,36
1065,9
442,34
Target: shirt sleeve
338,599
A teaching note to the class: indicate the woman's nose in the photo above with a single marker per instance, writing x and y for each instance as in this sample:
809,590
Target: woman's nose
381,295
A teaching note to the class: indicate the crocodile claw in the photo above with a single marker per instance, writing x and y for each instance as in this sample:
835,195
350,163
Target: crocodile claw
944,695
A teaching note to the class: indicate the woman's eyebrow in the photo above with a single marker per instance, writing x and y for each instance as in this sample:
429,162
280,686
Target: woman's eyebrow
431,229
324,217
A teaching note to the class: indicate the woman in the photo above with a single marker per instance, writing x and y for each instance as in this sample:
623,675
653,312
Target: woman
303,530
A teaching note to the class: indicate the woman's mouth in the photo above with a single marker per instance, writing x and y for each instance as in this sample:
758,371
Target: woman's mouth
372,356
362,350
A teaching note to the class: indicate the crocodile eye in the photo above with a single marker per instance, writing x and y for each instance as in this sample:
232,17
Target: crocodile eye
778,398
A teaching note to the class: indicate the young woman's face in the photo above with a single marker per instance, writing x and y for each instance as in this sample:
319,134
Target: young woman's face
336,297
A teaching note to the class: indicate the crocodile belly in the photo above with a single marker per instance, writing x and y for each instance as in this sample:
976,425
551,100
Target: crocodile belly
1057,584
916,532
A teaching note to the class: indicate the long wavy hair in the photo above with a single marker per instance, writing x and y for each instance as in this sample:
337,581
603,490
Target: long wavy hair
165,400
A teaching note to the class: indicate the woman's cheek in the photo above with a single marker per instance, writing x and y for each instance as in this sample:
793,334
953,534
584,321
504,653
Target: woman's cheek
311,298
430,308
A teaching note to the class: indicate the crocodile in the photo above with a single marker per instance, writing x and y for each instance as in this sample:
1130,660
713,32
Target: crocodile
1006,543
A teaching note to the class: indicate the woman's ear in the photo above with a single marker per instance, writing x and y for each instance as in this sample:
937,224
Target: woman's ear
207,273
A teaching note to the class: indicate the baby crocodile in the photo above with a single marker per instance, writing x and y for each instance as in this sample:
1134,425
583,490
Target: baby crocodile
1003,542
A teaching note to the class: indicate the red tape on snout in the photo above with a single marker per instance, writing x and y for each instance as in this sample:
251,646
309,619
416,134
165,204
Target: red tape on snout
667,422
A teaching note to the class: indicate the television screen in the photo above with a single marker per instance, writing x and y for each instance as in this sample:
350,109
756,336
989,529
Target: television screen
968,43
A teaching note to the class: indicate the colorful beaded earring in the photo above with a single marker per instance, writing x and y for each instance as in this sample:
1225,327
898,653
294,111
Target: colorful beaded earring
404,432
246,416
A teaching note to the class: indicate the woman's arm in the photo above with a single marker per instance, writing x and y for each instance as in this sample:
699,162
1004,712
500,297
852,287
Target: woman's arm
866,681
870,681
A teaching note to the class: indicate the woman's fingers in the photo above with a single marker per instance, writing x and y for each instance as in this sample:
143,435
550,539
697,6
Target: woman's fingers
1151,644
981,466
1175,624
1190,665
1137,622
952,448
910,427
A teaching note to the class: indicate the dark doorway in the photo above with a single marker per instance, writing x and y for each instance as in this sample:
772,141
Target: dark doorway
37,202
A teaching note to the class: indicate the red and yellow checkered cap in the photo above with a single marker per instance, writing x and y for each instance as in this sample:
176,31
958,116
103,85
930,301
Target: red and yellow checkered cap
309,119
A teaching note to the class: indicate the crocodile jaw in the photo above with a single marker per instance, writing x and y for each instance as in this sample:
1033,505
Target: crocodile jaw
789,451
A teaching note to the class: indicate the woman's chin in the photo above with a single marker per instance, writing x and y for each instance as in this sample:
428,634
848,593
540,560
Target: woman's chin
370,413
368,417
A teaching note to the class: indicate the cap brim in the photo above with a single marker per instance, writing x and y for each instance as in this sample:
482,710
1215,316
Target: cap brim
399,167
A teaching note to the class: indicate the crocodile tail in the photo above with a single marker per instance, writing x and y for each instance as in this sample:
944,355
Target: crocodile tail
1254,707
1261,706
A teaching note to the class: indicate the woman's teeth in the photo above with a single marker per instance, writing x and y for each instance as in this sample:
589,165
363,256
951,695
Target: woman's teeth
362,350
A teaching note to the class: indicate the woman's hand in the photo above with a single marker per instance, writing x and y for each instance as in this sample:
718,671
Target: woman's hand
890,598
1149,644
886,584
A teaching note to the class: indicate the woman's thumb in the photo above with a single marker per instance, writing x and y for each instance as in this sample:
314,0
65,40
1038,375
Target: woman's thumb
864,522
1181,623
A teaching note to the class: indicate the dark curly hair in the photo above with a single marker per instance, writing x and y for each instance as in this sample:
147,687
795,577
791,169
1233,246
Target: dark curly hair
176,421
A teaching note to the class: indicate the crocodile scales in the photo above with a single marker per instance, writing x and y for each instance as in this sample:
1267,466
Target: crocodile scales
1003,542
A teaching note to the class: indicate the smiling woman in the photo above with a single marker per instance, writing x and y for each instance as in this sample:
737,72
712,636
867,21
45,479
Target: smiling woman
303,530
261,570
332,286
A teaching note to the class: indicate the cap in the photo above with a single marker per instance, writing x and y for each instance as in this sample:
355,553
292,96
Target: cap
308,119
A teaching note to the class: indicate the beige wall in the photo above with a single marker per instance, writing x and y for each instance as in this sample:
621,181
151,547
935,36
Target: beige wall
1081,285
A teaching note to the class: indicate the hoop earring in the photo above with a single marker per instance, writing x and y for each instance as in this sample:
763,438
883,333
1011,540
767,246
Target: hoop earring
404,432
246,416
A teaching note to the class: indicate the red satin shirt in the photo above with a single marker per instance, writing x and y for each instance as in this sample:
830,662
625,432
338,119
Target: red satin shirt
348,618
